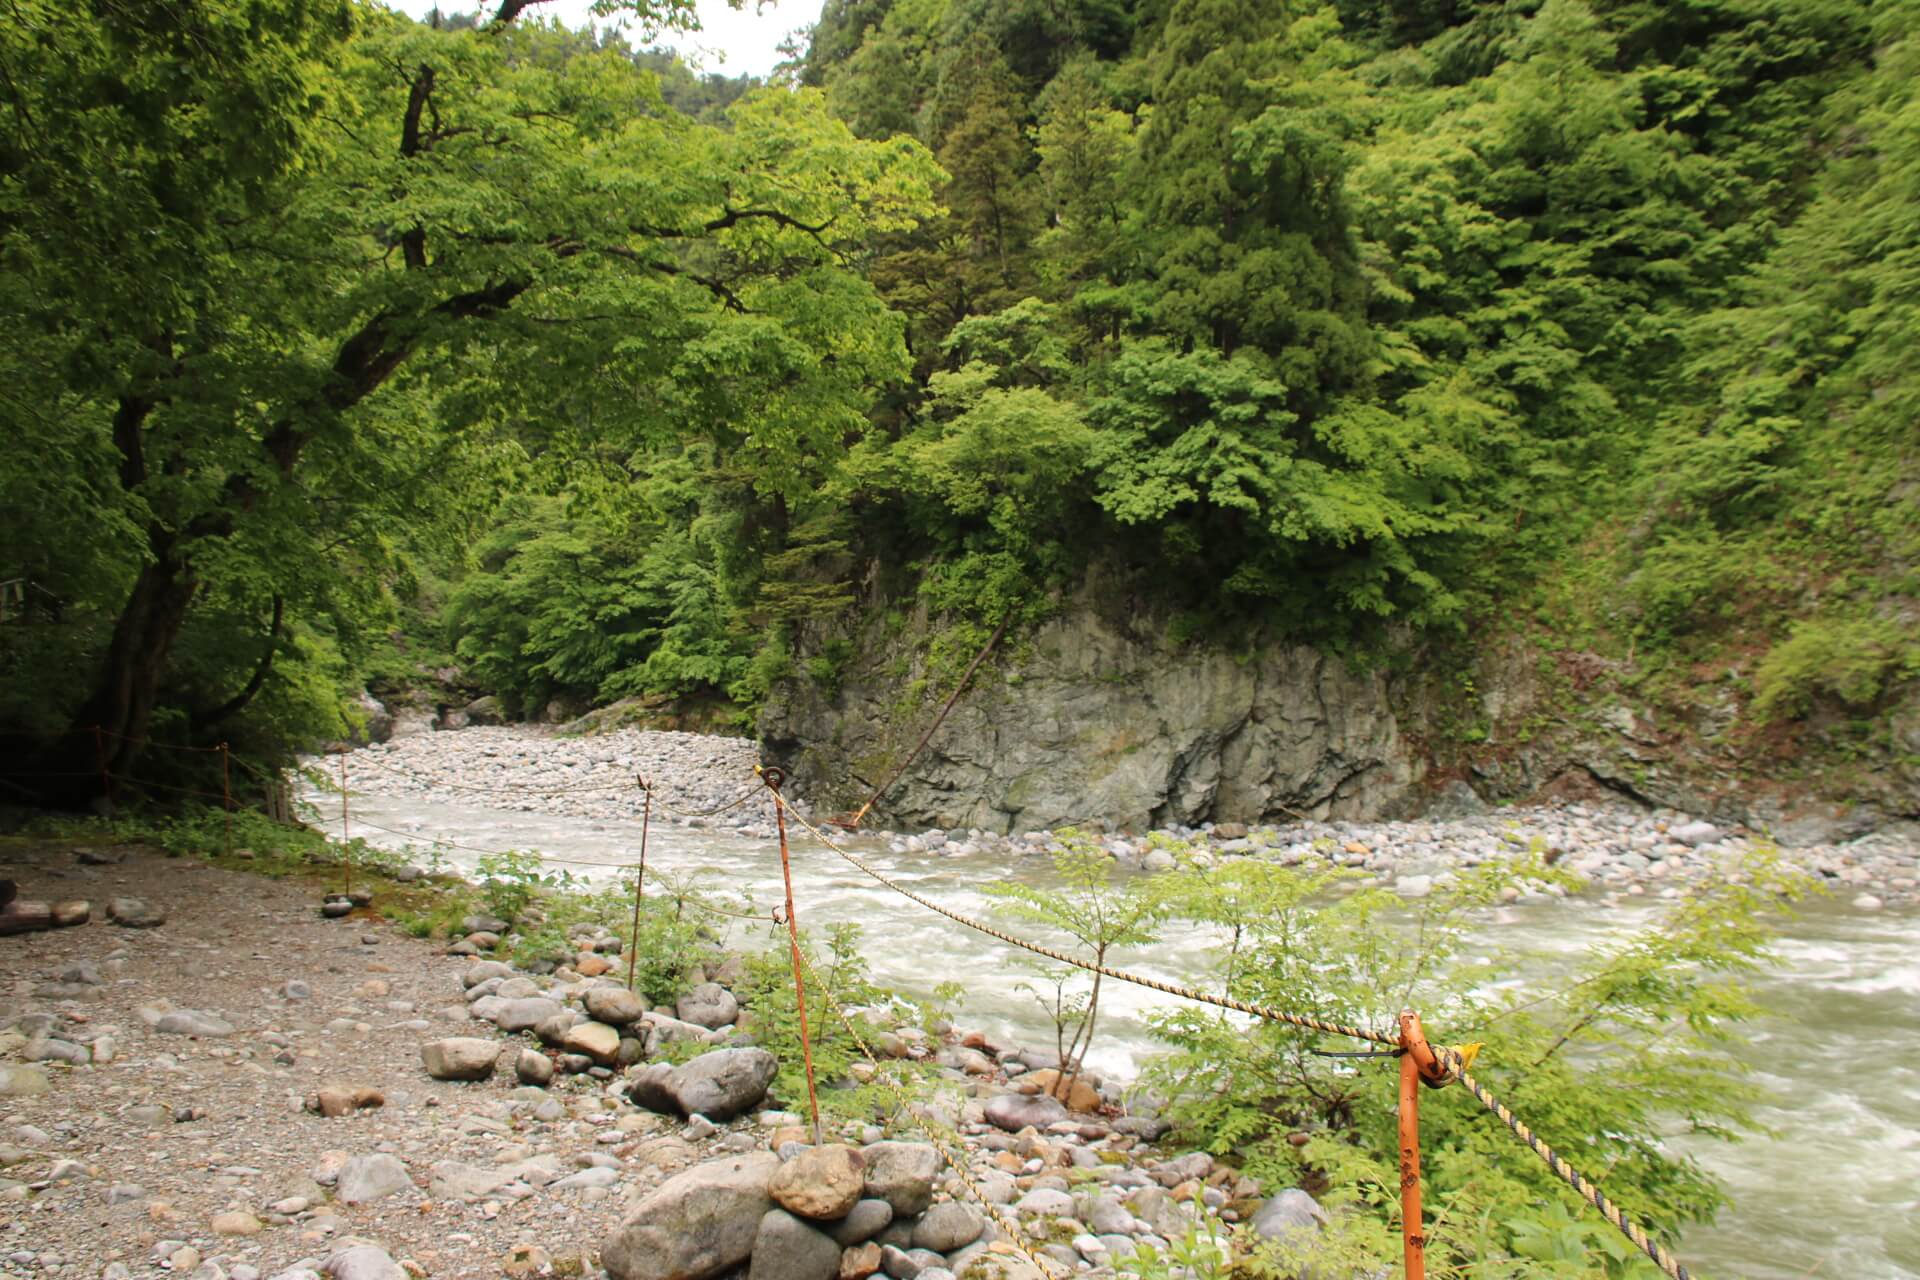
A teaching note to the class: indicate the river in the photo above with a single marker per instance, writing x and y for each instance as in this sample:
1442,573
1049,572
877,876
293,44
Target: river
1832,1192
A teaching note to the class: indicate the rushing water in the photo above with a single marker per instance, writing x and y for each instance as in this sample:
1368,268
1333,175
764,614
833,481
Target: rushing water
1833,1191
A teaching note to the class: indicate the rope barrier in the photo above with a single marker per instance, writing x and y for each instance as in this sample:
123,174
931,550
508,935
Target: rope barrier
1578,1181
1121,975
1436,1065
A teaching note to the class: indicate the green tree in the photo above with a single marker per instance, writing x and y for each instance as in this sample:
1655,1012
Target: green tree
1089,908
372,241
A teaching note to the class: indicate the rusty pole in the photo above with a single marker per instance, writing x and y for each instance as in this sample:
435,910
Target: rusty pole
1419,1064
226,791
346,836
639,883
774,778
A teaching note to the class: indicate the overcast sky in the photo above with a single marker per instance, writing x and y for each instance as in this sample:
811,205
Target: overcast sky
731,42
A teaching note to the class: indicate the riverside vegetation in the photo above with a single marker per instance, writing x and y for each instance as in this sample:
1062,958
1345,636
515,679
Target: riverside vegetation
1606,1055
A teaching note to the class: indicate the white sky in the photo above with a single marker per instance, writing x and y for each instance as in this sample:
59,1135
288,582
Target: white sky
731,42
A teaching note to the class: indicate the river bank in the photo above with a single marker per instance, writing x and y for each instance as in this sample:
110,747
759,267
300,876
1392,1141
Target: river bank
1831,1188
242,1087
707,782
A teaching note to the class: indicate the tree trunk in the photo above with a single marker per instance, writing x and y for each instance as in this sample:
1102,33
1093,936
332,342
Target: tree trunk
129,682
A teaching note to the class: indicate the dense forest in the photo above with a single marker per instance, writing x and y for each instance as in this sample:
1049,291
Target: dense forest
341,347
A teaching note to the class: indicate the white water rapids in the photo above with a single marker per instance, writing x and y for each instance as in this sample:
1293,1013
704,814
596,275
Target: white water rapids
1832,1191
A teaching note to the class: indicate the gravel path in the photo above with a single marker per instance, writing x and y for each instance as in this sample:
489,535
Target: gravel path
134,1159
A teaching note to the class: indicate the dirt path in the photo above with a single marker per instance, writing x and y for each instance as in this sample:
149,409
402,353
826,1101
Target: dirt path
131,1160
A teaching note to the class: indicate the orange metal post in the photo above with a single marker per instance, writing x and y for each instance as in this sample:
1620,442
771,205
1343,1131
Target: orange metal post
346,835
639,884
1411,1226
1419,1064
226,790
774,777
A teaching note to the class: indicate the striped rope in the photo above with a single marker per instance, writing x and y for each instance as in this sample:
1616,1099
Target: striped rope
1451,1061
1121,975
1578,1181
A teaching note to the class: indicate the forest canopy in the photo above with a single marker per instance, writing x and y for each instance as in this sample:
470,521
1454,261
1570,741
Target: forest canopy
340,345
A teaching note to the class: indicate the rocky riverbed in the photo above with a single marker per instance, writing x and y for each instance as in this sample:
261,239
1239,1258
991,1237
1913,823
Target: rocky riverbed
1618,848
242,1087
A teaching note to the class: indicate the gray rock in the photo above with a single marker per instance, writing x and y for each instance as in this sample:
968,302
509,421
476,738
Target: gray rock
533,1067
902,1174
484,970
368,1178
193,1022
1015,1111
1217,735
723,1084
460,1058
598,1176
455,1181
948,1226
135,913
362,1262
615,1006
1045,1202
709,1005
867,1219
648,1089
785,1248
1292,1218
663,1031
523,1014
696,1225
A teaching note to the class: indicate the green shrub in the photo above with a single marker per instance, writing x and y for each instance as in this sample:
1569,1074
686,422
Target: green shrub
1603,1064
1849,660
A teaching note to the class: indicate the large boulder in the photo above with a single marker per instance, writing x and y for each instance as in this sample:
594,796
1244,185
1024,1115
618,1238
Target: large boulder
821,1183
723,1084
615,1006
1016,1111
697,1225
902,1174
786,1248
709,1005
460,1058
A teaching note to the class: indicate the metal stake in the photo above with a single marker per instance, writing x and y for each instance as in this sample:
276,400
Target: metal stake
774,778
639,883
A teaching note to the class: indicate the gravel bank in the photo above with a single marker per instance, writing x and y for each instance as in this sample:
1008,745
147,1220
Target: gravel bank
236,1089
1617,848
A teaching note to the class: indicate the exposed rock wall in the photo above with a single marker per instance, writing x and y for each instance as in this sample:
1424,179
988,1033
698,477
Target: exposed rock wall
1098,717
1086,719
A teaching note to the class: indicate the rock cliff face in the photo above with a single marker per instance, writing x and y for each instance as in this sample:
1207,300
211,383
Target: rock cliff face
1096,717
1087,720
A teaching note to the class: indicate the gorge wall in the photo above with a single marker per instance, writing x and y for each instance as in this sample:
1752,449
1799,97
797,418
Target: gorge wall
1097,717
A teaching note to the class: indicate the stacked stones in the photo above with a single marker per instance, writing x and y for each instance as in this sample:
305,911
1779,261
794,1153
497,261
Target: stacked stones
1045,1150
